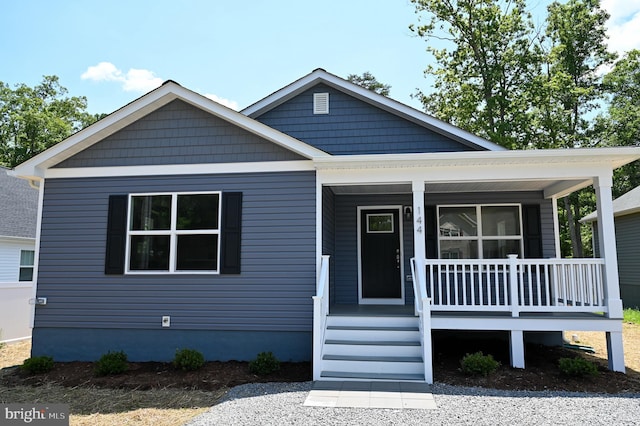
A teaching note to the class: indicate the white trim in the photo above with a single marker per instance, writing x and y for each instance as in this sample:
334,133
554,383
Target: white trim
368,96
173,234
34,168
181,169
362,300
36,262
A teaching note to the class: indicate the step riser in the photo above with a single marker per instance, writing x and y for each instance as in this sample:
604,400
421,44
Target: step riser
373,350
374,367
372,321
382,335
335,375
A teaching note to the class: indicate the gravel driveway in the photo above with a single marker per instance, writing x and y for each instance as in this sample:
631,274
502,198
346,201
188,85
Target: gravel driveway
280,404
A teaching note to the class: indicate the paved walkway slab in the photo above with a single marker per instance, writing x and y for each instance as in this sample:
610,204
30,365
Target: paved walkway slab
392,395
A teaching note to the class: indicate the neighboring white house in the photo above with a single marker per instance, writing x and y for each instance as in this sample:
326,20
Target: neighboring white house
18,215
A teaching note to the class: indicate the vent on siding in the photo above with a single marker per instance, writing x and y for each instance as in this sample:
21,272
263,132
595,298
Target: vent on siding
321,103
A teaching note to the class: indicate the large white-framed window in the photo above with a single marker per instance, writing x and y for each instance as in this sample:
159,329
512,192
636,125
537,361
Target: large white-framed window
27,258
479,231
176,232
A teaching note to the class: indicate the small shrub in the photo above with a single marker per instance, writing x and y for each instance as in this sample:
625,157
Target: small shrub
577,367
478,364
112,363
188,359
37,364
265,363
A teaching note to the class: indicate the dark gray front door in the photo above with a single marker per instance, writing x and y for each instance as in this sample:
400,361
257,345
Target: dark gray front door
380,256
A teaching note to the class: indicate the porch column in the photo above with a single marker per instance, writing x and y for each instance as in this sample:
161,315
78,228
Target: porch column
615,351
516,348
419,245
607,245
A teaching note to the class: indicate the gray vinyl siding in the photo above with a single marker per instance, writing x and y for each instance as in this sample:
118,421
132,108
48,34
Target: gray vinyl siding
179,133
354,127
628,248
345,278
272,293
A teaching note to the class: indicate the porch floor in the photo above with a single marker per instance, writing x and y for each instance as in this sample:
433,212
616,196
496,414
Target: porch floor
409,310
373,310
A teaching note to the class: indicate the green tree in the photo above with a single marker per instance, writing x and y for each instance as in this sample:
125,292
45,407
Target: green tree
33,119
620,124
368,81
481,81
577,32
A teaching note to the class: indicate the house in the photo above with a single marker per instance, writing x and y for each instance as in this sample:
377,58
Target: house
323,222
626,212
18,215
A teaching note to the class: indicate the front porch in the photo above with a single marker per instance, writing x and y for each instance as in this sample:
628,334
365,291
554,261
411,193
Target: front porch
468,244
394,343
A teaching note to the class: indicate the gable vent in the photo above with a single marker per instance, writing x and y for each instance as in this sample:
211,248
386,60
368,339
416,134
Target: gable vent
321,103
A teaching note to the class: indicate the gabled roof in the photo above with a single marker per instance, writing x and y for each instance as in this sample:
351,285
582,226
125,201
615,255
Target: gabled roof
169,91
623,205
18,207
387,104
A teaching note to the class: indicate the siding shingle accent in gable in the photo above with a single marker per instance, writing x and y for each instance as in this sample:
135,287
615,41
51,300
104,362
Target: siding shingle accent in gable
179,133
353,127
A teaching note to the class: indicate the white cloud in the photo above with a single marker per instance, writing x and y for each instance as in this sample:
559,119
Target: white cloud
134,80
226,102
623,24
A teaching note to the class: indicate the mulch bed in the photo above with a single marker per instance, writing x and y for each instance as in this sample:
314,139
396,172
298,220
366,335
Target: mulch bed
542,373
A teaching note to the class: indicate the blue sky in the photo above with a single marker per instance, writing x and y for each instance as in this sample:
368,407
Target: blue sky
236,51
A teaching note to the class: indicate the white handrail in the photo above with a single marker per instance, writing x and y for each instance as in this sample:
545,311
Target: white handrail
320,313
422,307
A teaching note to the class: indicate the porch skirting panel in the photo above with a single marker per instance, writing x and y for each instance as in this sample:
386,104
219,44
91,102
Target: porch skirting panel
74,344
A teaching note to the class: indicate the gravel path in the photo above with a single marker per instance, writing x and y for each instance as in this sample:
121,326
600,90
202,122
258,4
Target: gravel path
281,404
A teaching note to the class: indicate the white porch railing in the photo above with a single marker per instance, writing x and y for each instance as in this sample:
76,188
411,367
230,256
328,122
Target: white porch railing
513,285
320,313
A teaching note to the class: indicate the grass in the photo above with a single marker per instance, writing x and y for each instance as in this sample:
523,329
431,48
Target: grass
632,316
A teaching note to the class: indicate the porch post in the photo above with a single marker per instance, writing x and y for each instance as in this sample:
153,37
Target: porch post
419,244
607,245
556,227
516,346
419,247
615,351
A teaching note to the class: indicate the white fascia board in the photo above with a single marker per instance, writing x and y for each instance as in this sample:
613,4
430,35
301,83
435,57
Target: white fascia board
608,158
371,97
10,238
181,169
35,167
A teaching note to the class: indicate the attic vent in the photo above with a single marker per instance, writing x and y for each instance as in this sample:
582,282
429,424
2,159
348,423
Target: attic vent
321,103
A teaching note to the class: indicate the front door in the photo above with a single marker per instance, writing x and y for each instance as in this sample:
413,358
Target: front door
380,249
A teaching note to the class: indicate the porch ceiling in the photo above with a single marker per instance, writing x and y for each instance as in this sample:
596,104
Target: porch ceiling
459,187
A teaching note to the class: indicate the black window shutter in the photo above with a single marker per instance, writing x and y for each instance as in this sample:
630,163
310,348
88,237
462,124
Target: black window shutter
230,232
431,231
116,235
532,231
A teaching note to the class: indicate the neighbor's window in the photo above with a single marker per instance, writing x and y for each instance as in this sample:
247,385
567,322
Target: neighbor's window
174,232
26,265
482,231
